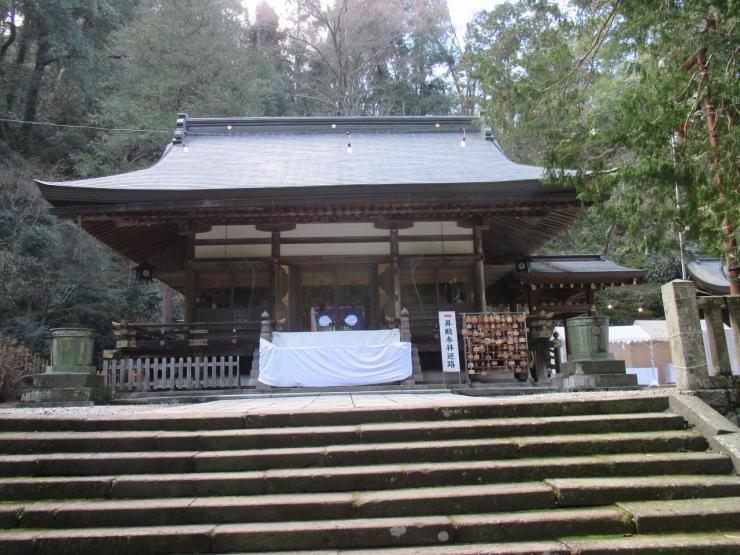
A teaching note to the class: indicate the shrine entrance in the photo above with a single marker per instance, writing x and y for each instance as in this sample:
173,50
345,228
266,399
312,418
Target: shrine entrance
336,298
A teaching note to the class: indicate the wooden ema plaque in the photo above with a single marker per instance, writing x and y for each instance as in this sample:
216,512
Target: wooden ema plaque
496,342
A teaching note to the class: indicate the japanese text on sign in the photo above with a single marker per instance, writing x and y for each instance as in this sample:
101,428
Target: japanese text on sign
448,342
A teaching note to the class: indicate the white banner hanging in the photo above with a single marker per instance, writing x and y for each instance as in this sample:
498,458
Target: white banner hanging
448,342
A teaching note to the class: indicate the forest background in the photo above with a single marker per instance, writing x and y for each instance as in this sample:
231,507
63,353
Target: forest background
602,86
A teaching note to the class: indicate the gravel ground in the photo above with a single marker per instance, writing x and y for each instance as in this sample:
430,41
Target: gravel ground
304,403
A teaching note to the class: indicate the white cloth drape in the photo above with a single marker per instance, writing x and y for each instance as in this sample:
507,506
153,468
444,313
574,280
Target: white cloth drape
328,366
335,338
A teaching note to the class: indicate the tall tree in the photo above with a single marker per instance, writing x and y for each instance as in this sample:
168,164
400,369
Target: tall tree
176,56
672,120
621,95
51,55
266,36
519,52
53,274
372,57
416,78
340,46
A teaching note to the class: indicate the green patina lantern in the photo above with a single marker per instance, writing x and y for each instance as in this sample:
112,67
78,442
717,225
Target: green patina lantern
71,350
587,338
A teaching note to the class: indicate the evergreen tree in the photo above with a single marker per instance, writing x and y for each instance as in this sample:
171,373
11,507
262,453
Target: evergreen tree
604,90
176,56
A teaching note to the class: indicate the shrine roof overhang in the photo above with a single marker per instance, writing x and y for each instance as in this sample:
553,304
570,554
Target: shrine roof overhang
710,275
144,229
293,160
339,202
576,269
292,170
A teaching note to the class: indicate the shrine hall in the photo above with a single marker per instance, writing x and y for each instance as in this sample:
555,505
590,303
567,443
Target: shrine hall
320,251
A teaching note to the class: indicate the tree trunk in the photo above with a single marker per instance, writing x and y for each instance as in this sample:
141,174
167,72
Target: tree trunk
6,44
34,91
16,71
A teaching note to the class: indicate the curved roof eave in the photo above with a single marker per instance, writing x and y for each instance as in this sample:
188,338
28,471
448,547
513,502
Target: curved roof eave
221,165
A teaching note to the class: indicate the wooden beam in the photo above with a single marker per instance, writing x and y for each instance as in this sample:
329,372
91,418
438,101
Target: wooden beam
395,261
215,212
393,224
282,226
479,271
334,240
190,293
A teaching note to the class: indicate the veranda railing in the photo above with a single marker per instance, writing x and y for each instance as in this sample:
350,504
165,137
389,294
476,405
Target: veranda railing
171,373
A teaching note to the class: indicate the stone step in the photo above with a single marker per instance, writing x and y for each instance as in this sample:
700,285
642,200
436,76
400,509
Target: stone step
706,543
514,408
425,534
280,507
86,464
369,477
295,536
575,492
488,498
686,515
58,442
711,543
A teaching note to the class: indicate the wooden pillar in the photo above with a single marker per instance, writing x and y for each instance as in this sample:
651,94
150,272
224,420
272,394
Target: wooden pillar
277,292
166,304
190,278
281,286
591,299
191,290
479,271
396,262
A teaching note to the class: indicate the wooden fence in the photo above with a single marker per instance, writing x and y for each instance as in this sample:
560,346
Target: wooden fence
170,373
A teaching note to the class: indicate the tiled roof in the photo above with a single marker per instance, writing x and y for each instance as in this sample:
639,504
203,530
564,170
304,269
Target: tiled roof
260,153
710,274
575,265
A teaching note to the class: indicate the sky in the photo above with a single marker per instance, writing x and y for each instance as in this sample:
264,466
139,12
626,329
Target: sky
461,11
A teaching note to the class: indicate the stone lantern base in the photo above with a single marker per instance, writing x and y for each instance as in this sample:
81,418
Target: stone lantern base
594,374
71,379
65,388
590,364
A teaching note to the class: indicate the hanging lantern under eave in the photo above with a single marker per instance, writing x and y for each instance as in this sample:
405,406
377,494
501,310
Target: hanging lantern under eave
144,273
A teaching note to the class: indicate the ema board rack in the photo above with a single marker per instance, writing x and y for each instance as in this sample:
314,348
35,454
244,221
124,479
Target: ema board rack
496,342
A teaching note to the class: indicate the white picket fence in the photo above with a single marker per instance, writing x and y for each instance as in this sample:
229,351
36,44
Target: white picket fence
170,373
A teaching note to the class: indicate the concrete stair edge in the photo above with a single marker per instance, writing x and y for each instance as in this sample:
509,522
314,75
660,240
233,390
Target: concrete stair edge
54,464
488,498
521,408
152,440
339,534
372,477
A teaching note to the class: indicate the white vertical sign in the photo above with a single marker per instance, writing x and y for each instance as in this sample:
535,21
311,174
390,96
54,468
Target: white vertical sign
448,342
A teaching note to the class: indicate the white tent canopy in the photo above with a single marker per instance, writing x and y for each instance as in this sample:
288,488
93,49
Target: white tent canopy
628,334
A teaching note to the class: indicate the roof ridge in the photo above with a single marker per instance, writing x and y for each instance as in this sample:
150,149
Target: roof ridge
304,124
